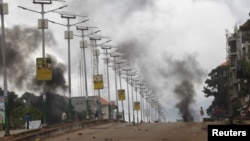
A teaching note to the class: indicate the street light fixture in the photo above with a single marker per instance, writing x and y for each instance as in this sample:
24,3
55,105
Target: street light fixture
142,102
96,63
150,100
69,35
132,85
115,55
127,70
43,24
107,62
136,89
146,110
136,99
83,45
119,72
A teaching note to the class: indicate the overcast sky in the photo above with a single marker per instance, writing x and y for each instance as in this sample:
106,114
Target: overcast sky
167,41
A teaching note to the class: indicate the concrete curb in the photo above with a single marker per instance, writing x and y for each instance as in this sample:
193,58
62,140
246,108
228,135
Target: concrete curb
49,131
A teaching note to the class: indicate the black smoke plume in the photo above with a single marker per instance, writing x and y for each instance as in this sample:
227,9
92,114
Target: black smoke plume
22,46
188,72
181,74
185,91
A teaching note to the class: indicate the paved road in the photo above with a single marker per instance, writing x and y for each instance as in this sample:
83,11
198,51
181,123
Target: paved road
143,132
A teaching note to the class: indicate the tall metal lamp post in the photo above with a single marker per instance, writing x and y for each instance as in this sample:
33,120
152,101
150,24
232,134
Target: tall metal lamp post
43,24
4,11
136,80
119,72
94,39
132,94
68,36
142,103
127,70
116,93
107,62
83,46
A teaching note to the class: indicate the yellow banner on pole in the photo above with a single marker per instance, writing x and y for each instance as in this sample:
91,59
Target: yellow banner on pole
121,94
43,69
98,82
137,105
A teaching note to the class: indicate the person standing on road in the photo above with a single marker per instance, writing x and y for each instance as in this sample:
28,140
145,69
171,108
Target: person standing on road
41,124
96,113
64,116
27,120
218,113
201,114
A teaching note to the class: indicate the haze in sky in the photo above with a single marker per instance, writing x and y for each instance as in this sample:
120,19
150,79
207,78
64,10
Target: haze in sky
173,44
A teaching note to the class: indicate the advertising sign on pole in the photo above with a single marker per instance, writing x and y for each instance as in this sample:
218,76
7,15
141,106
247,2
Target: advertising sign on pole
121,94
98,82
137,105
43,69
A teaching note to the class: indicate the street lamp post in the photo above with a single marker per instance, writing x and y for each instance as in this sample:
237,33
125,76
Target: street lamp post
43,24
132,84
146,105
118,63
97,72
116,93
83,45
127,70
68,36
4,10
142,106
150,99
107,62
96,53
136,97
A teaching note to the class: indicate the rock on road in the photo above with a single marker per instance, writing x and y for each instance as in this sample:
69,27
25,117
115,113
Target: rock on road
171,131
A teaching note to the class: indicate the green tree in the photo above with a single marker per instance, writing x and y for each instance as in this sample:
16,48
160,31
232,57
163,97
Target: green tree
217,87
20,112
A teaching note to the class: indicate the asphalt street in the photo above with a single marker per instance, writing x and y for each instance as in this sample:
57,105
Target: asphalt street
179,131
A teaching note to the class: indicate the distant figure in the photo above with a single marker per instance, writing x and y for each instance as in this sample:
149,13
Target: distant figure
201,114
27,120
64,116
96,113
217,113
41,125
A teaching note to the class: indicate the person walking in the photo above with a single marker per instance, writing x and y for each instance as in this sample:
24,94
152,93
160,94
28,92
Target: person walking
27,120
201,114
64,117
218,113
41,124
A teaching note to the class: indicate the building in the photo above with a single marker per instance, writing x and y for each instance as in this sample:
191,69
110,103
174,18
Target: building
79,104
238,50
234,53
